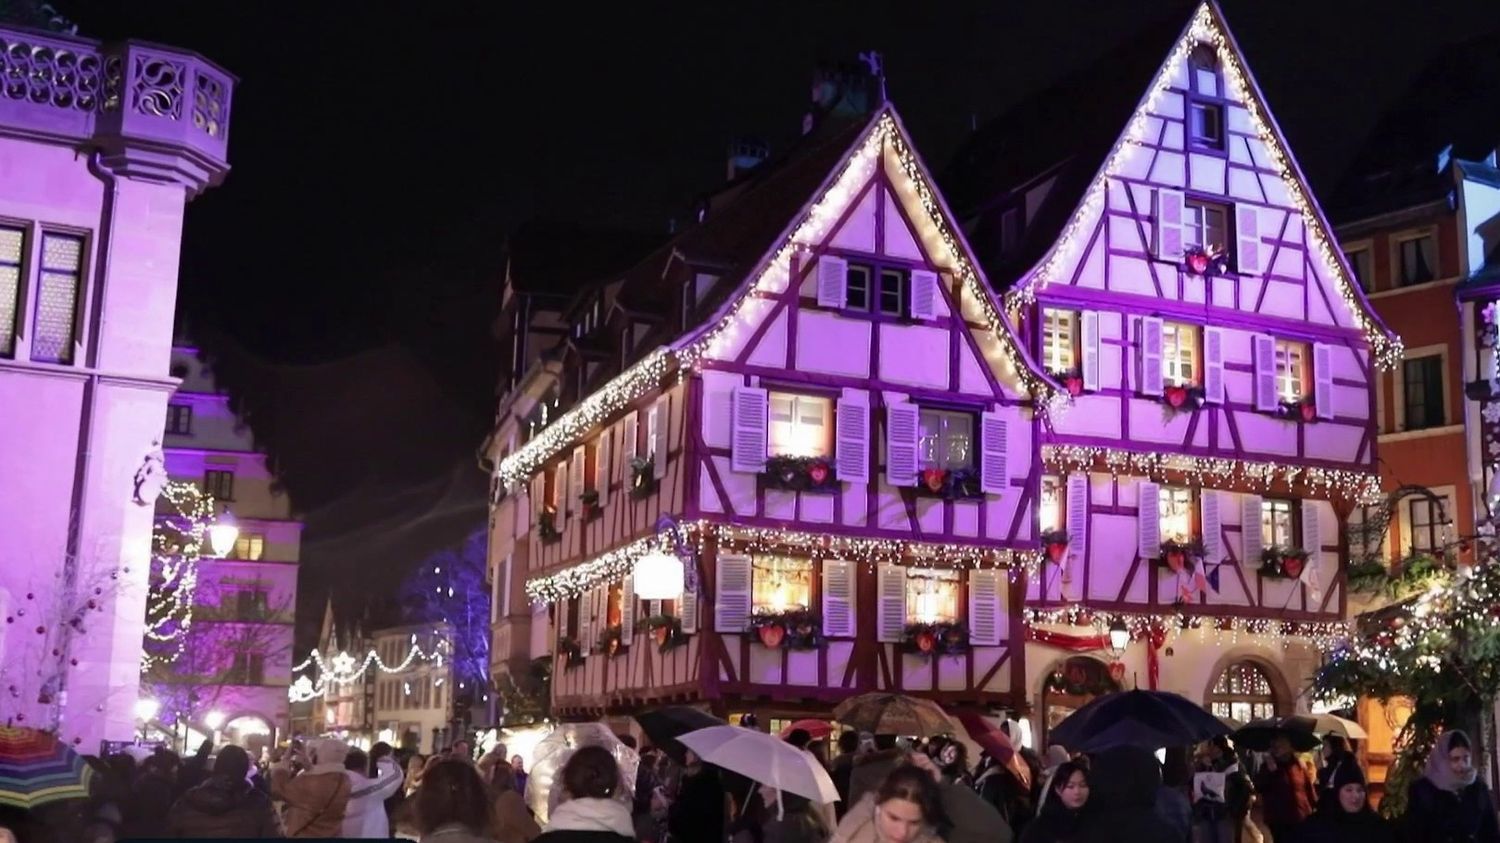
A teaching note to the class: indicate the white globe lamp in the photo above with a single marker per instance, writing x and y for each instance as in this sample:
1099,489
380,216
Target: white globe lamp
658,576
222,534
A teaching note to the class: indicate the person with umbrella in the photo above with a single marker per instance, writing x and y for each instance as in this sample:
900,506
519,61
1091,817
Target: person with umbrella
1335,754
1286,789
1123,784
698,813
590,811
1450,803
905,808
1347,817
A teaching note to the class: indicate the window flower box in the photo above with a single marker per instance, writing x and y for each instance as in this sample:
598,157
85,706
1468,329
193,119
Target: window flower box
794,629
940,638
1205,263
589,504
799,474
1055,545
546,526
666,630
611,641
950,484
1182,398
1181,556
1304,409
1283,562
1071,380
570,651
642,477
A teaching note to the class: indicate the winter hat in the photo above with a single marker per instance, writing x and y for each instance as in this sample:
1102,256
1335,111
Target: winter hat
1347,772
330,751
232,763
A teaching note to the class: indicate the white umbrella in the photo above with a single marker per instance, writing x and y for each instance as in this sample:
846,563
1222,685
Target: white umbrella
544,783
1332,724
763,758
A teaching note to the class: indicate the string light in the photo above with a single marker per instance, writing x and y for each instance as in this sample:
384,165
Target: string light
1226,631
1219,472
176,546
1207,29
346,669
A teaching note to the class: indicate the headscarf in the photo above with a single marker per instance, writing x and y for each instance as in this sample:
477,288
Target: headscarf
1439,770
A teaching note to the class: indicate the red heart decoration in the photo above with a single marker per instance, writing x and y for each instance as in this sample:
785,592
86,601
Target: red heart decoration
1198,263
925,642
1075,386
818,472
933,478
771,635
1176,396
1117,671
1309,412
1292,566
1056,551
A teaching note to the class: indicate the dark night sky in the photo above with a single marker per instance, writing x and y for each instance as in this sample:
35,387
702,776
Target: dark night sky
346,272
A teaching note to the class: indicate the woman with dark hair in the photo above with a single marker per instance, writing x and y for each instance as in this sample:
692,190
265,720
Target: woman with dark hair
1346,816
1062,808
906,808
1450,803
592,810
452,805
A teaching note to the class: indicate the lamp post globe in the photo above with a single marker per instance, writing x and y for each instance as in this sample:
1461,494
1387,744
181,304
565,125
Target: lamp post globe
223,533
658,576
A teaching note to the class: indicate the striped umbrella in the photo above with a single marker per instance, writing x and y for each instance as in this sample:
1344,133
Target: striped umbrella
36,768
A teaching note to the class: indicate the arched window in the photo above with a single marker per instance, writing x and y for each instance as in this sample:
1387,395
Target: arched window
1070,685
1244,692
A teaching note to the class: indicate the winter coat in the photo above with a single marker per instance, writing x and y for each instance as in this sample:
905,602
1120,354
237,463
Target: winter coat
513,821
1287,796
454,833
999,786
1175,810
1055,824
870,770
220,808
1122,799
150,800
1335,825
1446,816
315,799
596,821
971,819
843,768
698,812
364,814
858,826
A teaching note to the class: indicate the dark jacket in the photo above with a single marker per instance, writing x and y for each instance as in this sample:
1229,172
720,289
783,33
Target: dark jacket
1175,810
1016,802
150,800
1055,823
1122,799
870,770
1287,794
1335,825
698,812
843,769
1443,816
970,818
219,808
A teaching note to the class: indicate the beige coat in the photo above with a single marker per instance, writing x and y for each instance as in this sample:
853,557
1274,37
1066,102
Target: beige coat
315,799
858,826
513,821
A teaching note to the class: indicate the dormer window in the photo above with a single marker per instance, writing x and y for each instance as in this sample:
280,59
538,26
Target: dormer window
1205,99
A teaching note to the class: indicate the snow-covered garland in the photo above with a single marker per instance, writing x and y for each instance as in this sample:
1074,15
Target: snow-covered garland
770,277
1359,486
1226,630
1385,346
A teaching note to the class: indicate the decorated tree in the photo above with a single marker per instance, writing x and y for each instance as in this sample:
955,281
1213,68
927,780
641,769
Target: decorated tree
451,587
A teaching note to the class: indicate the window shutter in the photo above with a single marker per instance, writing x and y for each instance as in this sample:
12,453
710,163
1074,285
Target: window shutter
1148,519
1250,540
1213,530
751,405
562,618
1312,536
1247,239
985,615
924,294
1213,365
1089,348
1078,513
627,610
1148,355
1167,207
564,506
628,439
890,603
838,598
1323,379
833,281
575,473
994,474
851,450
662,438
902,428
732,597
586,621
1265,373
687,612
602,468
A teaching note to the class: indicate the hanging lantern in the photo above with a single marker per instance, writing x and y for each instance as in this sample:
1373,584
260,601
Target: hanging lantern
658,575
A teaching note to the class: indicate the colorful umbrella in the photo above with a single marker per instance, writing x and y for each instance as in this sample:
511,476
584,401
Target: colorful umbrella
882,713
818,729
36,768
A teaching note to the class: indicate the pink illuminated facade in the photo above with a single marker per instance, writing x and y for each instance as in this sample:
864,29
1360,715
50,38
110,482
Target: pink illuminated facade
101,146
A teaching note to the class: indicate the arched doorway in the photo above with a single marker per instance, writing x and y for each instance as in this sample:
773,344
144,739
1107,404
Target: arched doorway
1246,690
1069,686
250,731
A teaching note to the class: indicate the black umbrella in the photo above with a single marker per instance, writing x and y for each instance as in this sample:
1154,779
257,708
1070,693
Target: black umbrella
1257,735
1146,719
663,726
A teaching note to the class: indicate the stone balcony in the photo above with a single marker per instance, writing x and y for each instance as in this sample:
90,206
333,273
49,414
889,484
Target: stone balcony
155,113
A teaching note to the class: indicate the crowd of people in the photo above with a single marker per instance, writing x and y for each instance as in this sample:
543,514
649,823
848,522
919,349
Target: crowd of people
889,791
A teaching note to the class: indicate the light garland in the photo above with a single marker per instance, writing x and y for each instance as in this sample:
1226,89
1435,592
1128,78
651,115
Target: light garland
1218,472
774,274
346,669
1206,28
1227,630
176,546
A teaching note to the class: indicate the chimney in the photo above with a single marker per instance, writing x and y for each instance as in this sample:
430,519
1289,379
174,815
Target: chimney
746,154
846,88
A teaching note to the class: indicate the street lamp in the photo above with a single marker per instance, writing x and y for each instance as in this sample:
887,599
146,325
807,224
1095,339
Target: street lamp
145,711
662,574
1119,637
223,533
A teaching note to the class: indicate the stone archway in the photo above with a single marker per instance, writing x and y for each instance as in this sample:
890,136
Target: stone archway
249,730
1247,686
1069,684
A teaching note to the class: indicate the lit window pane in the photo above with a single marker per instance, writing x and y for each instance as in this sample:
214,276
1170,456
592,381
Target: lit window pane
1058,340
1176,513
800,425
931,595
780,583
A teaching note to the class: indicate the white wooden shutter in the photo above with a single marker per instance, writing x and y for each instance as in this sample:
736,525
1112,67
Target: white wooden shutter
748,430
994,474
564,505
586,634
838,598
1247,239
575,473
1078,513
1213,365
902,429
1167,208
985,615
851,449
1323,379
1088,346
603,471
1312,535
1148,355
1148,519
687,611
1265,373
924,294
627,610
833,281
628,439
562,619
890,603
1213,529
661,436
732,593
1250,539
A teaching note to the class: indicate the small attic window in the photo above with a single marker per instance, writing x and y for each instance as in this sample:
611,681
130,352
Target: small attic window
1205,99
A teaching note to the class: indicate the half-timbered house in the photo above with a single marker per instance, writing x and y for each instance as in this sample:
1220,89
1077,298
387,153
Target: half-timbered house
1165,260
832,419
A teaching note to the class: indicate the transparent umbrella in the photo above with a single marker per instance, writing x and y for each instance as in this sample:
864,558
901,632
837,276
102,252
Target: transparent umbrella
544,785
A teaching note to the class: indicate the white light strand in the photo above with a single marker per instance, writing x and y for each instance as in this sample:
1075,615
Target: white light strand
176,546
1226,631
1218,472
345,669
